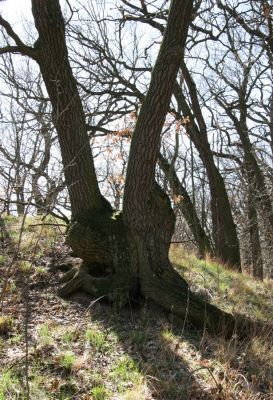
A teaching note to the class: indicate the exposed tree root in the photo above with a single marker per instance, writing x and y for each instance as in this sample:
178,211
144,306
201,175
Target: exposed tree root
79,279
120,267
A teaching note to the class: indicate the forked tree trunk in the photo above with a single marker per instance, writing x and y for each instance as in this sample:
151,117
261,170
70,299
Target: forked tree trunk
121,265
123,256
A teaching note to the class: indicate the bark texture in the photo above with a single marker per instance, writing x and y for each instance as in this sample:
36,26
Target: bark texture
148,216
254,234
187,208
102,242
68,114
224,229
114,269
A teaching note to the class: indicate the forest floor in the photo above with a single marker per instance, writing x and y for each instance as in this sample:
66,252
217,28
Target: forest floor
82,348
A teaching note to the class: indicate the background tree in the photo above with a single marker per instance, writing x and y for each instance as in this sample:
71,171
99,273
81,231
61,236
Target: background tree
241,88
30,167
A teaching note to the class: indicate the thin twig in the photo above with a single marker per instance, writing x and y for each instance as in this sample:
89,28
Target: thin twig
85,311
47,224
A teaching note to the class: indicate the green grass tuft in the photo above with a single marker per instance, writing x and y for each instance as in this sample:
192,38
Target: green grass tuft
10,387
100,393
96,339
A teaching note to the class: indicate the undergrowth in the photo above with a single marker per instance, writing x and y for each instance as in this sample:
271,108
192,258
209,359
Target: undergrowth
232,291
82,352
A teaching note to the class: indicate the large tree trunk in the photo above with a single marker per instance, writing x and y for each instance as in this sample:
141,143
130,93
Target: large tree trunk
121,265
147,212
107,270
122,255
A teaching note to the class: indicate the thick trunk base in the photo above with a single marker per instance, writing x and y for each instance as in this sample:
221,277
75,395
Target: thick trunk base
120,267
106,270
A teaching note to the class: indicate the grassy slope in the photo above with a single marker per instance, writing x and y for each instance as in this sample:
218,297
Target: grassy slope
79,350
233,292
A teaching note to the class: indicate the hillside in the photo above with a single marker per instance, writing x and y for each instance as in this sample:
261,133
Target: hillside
51,348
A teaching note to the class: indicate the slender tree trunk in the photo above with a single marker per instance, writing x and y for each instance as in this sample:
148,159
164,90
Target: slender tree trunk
187,208
19,187
4,234
271,118
255,176
223,226
20,200
253,228
256,180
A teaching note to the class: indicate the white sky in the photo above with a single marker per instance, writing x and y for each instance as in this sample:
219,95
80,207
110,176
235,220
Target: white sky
15,10
18,13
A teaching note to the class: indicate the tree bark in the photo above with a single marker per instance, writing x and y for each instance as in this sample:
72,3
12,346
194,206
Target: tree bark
187,208
68,114
123,256
148,215
253,228
223,226
255,176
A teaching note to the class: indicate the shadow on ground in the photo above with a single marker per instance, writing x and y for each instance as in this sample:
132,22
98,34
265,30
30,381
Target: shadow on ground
176,365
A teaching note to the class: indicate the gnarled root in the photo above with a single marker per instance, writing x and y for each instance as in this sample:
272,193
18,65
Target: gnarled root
80,279
119,272
69,275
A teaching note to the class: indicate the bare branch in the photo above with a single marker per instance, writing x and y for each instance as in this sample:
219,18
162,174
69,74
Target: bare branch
20,47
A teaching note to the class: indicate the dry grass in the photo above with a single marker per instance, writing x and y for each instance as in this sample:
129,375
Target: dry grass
232,291
6,323
135,355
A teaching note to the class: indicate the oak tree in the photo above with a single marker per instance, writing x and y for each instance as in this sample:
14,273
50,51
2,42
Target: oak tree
124,254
